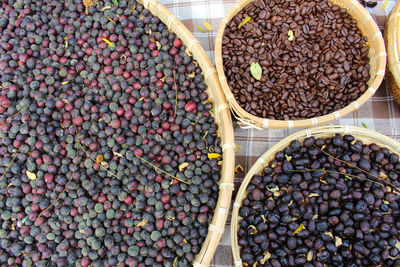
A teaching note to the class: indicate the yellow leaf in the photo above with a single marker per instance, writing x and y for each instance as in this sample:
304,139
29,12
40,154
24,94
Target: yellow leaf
158,45
290,203
288,158
185,241
382,175
309,256
118,154
384,4
315,217
247,19
299,229
142,223
207,26
201,29
290,35
31,175
65,82
239,168
82,231
99,158
273,189
183,166
267,256
254,229
338,241
220,162
191,75
213,155
66,42
255,264
169,218
108,42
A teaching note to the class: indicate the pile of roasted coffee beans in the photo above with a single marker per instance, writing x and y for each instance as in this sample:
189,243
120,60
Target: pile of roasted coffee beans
324,202
312,55
90,104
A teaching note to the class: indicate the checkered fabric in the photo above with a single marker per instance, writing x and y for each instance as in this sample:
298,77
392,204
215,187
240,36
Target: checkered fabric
381,113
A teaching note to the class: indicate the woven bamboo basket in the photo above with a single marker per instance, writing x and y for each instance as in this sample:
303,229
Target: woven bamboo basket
225,129
362,134
392,39
377,55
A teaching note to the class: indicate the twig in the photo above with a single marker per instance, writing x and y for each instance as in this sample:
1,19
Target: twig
8,119
65,189
9,165
176,94
155,167
87,153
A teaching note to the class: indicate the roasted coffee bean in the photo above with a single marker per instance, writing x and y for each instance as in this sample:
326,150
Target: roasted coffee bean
316,209
322,69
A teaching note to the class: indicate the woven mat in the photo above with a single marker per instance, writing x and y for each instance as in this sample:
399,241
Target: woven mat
381,113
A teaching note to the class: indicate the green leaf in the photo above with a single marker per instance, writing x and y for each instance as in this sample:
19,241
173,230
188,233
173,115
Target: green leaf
115,2
256,70
363,124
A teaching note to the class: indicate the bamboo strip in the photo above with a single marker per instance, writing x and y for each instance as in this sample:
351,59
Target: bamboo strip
377,55
223,117
362,134
393,48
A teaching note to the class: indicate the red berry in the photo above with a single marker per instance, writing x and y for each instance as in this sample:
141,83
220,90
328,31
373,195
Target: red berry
128,200
138,152
78,121
177,43
190,106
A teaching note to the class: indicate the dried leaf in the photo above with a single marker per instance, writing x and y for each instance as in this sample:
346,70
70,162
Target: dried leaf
105,8
66,42
254,229
108,42
309,255
200,28
256,70
142,223
213,155
115,2
239,168
183,166
290,35
384,4
267,256
263,217
185,241
104,164
169,218
110,19
273,189
363,124
312,195
247,19
255,264
191,75
299,229
338,241
329,233
208,26
290,203
315,217
64,83
117,154
220,162
382,175
99,158
31,175
288,158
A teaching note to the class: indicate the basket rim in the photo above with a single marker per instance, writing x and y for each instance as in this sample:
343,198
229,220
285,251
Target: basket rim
225,129
365,135
253,121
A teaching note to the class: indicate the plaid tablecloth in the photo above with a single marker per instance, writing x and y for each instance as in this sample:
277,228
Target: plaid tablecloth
381,113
